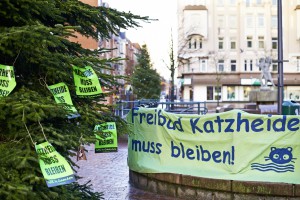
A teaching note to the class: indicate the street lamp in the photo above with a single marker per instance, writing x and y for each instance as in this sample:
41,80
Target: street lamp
280,57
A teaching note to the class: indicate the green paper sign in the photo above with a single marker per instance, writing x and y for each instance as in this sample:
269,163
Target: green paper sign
7,80
232,145
62,95
106,135
56,170
86,82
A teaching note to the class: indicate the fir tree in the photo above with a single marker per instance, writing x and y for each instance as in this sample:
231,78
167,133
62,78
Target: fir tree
34,39
145,80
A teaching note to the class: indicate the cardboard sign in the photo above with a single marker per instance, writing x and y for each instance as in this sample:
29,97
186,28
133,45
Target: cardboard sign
86,82
56,170
62,95
106,135
7,80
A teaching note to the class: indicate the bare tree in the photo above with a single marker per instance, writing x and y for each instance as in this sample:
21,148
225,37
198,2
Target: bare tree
172,69
216,59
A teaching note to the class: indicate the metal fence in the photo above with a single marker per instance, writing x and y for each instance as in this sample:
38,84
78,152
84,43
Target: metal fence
200,108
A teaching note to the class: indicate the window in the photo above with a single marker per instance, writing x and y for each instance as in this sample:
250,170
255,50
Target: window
191,95
232,2
258,2
275,67
202,64
195,43
261,42
221,21
274,43
232,43
298,63
230,92
121,50
247,3
274,2
249,21
221,43
249,41
213,93
274,21
232,21
210,92
246,93
261,20
200,43
218,93
220,2
248,65
221,65
233,65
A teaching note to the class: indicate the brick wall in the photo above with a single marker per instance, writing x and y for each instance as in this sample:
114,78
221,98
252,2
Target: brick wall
87,43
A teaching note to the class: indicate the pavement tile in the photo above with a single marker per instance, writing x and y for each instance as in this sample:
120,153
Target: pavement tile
109,173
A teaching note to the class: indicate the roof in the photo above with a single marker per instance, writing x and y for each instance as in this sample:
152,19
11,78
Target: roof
122,35
136,45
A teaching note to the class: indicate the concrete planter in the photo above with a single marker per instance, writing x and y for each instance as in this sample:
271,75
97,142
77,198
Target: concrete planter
189,187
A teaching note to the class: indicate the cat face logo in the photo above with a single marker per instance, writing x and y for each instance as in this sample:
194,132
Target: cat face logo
281,155
281,161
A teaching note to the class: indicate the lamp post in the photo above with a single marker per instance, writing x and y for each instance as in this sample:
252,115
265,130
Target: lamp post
280,57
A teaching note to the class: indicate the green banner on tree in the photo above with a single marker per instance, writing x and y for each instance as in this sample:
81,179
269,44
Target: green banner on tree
7,80
86,82
62,95
56,170
107,140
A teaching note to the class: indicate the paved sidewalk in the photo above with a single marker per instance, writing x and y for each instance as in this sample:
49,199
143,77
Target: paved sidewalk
109,174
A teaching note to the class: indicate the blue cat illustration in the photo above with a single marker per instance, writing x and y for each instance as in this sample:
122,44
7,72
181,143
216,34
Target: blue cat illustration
281,155
281,159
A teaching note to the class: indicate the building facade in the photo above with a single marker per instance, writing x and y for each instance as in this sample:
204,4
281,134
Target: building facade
220,43
87,42
118,46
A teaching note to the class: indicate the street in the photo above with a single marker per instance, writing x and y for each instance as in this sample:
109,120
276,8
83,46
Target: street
109,174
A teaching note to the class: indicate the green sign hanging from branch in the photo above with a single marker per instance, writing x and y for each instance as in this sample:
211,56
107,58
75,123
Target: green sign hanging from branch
86,82
106,135
7,80
62,95
56,170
